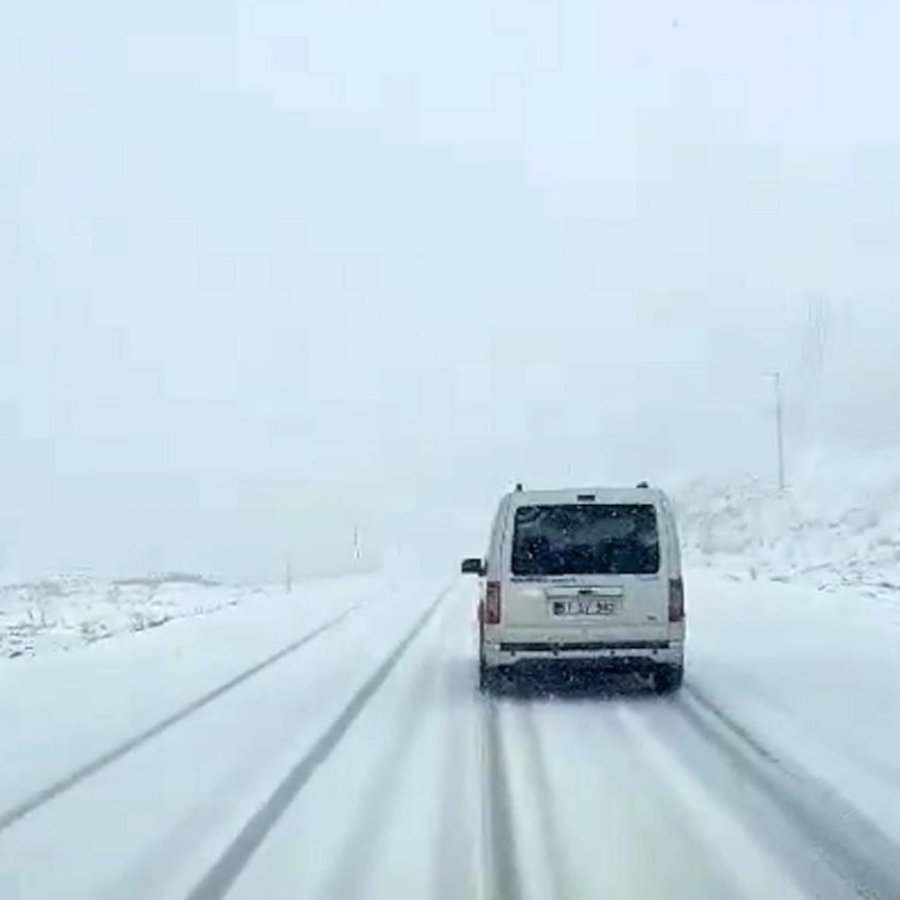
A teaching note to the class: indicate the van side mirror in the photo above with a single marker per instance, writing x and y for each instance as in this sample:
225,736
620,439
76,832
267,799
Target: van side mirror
473,567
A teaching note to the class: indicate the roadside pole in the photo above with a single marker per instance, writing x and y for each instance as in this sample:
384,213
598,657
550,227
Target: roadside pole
779,429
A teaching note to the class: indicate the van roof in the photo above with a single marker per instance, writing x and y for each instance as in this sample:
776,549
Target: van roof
581,495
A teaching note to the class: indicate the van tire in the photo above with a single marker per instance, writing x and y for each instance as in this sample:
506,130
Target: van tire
668,679
484,679
489,679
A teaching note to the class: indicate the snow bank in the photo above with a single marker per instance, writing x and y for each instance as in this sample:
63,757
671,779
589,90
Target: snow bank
64,612
837,525
813,675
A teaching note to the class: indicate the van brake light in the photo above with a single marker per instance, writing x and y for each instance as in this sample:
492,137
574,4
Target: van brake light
676,600
492,603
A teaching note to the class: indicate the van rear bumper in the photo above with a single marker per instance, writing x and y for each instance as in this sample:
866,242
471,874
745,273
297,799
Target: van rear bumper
624,655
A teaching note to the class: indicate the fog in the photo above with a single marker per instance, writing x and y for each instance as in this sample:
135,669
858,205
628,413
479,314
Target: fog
271,272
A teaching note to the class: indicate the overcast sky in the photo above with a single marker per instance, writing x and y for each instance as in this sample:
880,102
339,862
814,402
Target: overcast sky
272,269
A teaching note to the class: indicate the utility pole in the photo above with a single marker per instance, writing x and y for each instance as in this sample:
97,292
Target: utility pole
779,428
288,576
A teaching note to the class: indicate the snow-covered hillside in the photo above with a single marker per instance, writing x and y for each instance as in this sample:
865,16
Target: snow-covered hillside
836,525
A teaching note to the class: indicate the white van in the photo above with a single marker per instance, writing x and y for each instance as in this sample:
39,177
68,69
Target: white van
588,577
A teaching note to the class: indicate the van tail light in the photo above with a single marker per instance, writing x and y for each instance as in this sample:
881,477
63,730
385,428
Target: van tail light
492,603
676,600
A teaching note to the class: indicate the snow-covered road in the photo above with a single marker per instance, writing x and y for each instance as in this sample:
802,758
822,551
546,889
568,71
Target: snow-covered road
337,748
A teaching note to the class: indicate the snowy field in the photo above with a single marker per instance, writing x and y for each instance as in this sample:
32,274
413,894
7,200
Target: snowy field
331,743
67,612
838,525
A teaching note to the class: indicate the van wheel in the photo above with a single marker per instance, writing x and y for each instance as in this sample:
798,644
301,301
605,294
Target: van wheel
488,679
668,679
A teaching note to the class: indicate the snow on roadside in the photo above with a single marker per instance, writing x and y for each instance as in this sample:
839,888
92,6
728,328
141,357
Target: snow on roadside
838,525
795,619
814,675
66,612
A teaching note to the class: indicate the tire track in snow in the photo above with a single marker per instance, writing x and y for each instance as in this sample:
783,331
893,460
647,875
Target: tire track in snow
722,827
218,880
637,800
73,779
554,848
147,877
359,849
503,868
852,846
454,876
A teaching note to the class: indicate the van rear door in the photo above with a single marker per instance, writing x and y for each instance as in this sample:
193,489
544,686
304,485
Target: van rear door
582,569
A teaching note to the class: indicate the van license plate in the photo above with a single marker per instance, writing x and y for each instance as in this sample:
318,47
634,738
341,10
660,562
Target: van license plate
584,608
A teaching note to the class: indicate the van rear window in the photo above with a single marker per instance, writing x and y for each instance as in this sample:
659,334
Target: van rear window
570,539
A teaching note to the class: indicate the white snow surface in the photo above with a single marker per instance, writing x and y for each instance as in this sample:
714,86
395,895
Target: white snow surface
429,789
67,612
814,675
796,631
837,524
